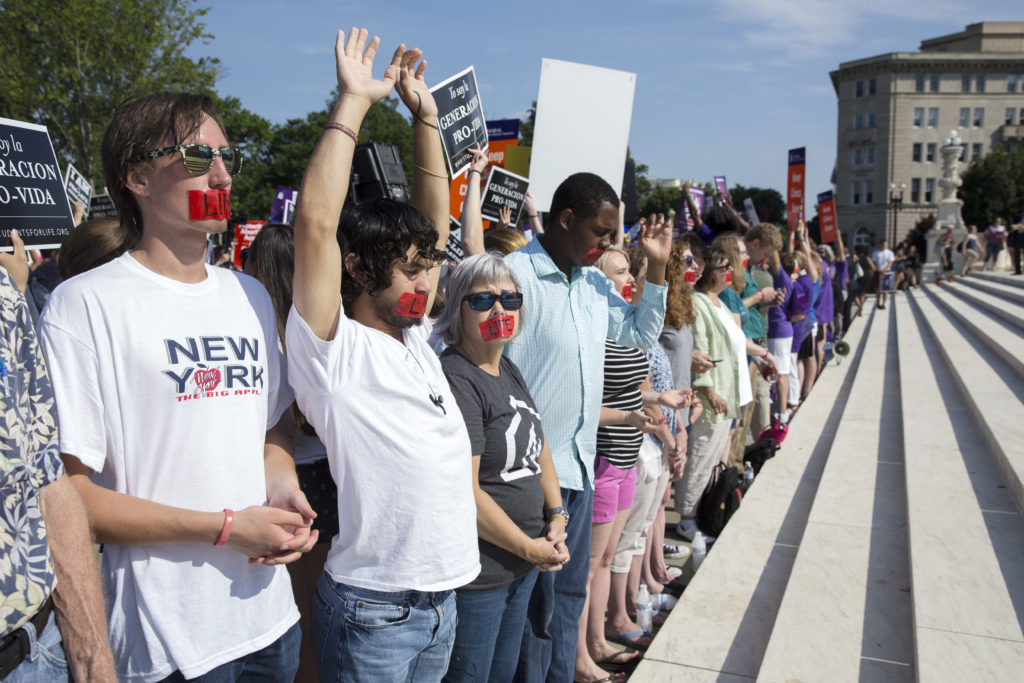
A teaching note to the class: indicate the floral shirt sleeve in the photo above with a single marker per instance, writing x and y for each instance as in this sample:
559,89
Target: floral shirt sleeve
29,460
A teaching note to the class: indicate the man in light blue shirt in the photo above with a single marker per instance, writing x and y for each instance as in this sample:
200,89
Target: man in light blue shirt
572,308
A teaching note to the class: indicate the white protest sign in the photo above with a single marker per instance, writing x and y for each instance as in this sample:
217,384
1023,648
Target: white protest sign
748,205
582,124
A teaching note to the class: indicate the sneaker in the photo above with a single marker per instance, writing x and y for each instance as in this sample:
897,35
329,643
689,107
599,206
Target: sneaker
686,531
674,572
949,280
675,552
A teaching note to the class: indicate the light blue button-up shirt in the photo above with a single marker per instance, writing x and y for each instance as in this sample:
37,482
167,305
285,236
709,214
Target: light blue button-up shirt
560,349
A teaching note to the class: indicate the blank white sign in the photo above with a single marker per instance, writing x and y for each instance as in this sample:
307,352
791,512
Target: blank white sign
583,117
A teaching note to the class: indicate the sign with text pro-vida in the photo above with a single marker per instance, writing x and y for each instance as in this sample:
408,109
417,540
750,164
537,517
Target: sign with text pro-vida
503,189
460,118
827,217
795,186
32,196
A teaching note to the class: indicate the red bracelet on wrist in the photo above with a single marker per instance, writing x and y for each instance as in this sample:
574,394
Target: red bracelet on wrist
225,531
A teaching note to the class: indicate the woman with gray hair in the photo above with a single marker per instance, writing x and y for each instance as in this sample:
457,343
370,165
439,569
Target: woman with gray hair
520,517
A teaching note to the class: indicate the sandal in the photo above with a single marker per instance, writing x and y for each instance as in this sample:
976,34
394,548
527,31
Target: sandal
638,640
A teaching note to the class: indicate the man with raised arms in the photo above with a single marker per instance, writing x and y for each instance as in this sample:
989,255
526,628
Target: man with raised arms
366,379
171,395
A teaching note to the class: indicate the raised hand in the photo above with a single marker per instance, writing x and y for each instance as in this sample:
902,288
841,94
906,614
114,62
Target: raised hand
480,160
505,214
355,66
656,241
412,88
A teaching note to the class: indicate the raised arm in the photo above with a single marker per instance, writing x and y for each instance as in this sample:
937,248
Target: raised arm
472,221
318,265
536,224
429,176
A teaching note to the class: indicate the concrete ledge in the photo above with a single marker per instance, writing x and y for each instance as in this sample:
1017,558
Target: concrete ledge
965,562
994,399
990,286
721,625
1001,277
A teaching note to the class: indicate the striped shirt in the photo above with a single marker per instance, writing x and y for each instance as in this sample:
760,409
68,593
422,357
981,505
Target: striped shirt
624,370
560,350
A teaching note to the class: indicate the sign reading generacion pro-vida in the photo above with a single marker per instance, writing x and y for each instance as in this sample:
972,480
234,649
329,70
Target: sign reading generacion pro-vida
460,118
32,196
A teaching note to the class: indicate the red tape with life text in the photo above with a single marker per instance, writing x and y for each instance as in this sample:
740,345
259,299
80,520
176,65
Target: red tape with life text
501,327
209,205
412,305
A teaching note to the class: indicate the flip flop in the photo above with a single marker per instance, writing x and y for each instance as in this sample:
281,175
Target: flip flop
611,665
631,639
617,677
674,587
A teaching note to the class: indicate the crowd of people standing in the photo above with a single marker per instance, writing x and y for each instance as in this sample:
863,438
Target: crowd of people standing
316,468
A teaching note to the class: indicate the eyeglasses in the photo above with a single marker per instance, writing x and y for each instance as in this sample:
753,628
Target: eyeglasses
198,159
689,261
727,266
484,301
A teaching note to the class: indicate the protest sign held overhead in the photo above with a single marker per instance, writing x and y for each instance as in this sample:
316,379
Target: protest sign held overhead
582,124
78,188
503,190
32,196
752,217
454,245
460,118
795,186
284,205
102,206
245,233
721,185
827,217
501,135
697,194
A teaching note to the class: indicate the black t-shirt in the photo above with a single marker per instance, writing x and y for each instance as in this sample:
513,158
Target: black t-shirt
504,430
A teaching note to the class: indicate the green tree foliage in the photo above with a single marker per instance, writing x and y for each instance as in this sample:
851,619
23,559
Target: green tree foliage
768,202
994,186
526,126
66,64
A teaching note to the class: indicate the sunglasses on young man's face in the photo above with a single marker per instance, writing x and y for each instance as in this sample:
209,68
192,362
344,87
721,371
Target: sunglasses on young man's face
484,301
198,159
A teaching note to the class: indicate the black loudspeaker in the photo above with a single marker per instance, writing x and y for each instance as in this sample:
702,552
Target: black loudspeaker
841,348
629,192
377,173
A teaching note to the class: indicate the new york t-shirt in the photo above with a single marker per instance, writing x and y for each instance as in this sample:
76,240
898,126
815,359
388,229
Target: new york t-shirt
166,390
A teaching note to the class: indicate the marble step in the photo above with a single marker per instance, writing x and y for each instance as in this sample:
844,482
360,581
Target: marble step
848,594
1000,277
966,537
990,286
1007,311
720,627
995,399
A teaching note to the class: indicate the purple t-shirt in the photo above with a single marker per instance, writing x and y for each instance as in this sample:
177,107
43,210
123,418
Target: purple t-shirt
803,299
824,307
779,326
842,273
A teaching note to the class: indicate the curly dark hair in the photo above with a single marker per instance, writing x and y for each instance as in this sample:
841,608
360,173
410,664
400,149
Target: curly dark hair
679,301
378,232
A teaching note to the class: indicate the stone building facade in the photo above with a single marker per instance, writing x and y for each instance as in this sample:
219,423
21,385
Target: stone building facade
896,109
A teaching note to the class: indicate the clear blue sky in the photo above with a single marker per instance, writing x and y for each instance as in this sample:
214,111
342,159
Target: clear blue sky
723,87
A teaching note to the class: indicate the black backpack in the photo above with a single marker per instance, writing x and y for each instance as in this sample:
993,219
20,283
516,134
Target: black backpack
721,499
760,451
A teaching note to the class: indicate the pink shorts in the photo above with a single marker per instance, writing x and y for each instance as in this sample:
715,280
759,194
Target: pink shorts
613,490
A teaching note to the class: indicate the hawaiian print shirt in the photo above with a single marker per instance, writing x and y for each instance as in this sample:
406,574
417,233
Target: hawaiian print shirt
29,460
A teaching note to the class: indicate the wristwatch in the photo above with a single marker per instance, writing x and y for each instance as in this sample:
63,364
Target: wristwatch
560,510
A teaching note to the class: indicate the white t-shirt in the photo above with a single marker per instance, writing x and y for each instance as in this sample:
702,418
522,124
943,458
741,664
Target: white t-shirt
166,390
739,344
882,258
403,466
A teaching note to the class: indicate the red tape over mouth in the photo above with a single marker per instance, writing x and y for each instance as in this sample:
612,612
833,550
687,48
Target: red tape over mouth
728,277
502,327
627,292
209,205
690,277
412,305
592,255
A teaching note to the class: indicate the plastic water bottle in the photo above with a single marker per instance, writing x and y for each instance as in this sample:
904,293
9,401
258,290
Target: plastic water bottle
699,550
644,609
748,475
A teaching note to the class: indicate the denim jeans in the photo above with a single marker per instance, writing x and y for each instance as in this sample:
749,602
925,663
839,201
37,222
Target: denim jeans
548,652
45,662
490,631
366,635
276,662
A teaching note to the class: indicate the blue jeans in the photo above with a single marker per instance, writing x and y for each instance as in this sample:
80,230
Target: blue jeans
45,662
276,662
490,631
366,635
548,651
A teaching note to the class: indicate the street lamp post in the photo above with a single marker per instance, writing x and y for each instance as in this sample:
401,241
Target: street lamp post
895,204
